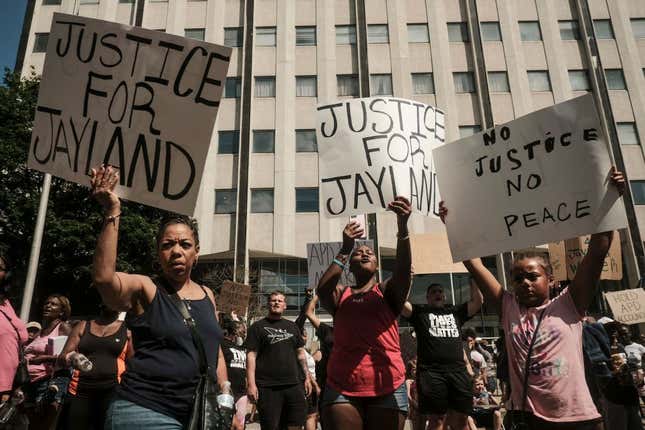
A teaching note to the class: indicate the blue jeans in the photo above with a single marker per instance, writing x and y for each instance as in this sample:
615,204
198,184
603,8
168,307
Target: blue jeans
398,400
125,415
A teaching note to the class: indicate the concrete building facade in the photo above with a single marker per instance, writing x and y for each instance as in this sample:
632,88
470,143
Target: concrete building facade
483,62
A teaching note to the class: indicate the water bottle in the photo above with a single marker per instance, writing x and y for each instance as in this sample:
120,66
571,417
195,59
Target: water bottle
8,409
226,403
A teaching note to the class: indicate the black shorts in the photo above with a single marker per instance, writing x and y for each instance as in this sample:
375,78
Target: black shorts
483,417
283,405
312,403
439,391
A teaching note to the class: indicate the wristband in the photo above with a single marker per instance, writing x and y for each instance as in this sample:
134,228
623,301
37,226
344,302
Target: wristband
112,218
406,237
339,263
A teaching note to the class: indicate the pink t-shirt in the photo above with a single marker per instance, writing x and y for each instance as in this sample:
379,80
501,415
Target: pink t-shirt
557,390
9,344
37,347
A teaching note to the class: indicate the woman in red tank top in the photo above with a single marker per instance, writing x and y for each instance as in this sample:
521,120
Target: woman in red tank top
365,386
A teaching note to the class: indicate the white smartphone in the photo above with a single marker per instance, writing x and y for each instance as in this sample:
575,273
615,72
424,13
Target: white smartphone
362,222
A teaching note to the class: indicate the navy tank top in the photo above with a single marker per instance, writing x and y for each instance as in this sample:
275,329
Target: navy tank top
164,371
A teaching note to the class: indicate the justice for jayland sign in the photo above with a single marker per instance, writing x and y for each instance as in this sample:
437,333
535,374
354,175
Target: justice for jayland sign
141,100
373,149
541,178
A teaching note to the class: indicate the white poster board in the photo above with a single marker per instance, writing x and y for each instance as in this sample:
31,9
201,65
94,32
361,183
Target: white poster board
141,100
628,306
320,256
373,149
541,178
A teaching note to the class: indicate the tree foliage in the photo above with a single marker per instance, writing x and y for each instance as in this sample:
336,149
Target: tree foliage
73,218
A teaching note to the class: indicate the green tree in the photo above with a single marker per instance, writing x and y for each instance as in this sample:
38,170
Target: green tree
73,218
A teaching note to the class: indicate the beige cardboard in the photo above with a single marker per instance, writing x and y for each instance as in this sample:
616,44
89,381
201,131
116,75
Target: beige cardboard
566,256
431,254
234,297
628,306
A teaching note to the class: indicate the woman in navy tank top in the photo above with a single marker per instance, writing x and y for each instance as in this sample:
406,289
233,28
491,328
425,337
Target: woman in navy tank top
156,390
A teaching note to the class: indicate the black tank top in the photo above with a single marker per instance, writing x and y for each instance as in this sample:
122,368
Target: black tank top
164,371
104,353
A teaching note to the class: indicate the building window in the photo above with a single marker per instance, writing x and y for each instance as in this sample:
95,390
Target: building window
530,31
306,86
265,36
306,36
490,31
539,80
228,142
569,30
638,28
498,82
126,1
347,85
262,200
89,2
469,130
233,37
40,42
226,201
627,134
381,85
265,86
603,29
418,33
345,35
377,33
464,82
422,83
457,32
263,141
307,200
195,33
233,88
52,2
638,192
579,80
306,141
615,79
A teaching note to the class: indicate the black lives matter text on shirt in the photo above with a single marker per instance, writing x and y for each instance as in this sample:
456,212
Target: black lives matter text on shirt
235,357
438,330
276,343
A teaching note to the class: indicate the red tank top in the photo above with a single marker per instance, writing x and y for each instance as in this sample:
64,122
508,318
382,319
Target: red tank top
366,358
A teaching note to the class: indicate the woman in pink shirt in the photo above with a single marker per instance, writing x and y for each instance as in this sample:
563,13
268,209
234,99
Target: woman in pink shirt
557,397
12,335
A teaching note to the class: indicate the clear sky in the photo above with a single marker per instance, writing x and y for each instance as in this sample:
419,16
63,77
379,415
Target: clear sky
12,13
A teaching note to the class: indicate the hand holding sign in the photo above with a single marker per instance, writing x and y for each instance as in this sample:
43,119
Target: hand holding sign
401,207
351,232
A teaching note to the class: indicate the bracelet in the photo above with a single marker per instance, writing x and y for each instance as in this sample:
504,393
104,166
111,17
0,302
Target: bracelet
112,218
406,237
338,263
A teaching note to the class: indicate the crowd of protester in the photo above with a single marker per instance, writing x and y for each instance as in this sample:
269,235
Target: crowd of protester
156,339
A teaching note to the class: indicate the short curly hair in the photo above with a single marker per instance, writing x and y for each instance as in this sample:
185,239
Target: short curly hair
66,306
178,219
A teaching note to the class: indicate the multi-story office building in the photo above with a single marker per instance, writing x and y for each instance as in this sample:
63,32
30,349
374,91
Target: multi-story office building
483,62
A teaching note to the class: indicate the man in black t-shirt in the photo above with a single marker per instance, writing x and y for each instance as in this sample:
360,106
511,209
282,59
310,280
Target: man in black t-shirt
235,356
276,366
443,382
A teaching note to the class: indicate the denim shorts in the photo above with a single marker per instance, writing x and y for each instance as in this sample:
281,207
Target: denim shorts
398,400
125,415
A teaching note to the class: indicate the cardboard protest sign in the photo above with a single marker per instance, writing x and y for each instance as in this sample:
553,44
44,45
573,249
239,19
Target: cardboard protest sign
373,149
234,297
141,100
431,254
320,256
540,178
565,257
628,306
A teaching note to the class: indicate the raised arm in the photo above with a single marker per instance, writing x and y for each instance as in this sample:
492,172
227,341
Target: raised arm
310,312
118,290
476,299
328,290
585,283
397,288
487,283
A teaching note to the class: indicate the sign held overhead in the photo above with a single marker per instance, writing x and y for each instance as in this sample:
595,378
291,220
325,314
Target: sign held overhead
541,178
373,149
143,101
